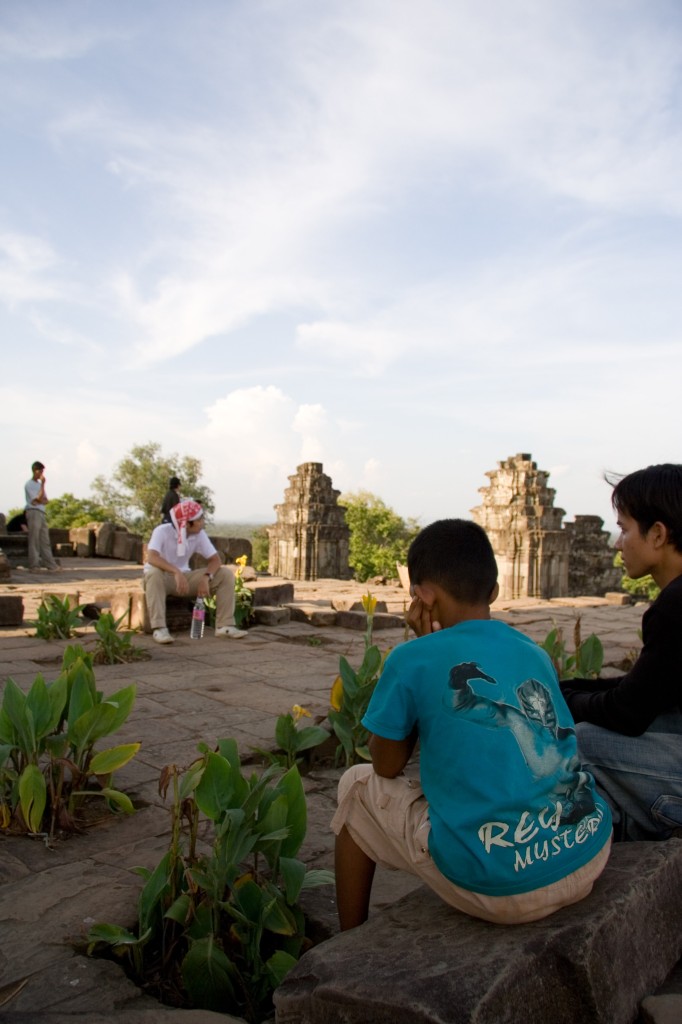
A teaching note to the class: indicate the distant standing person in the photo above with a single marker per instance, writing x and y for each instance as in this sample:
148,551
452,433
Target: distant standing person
39,549
170,500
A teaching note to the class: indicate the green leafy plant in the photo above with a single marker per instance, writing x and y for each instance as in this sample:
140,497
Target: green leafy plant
48,762
221,927
645,587
243,596
57,620
292,739
586,660
351,694
113,647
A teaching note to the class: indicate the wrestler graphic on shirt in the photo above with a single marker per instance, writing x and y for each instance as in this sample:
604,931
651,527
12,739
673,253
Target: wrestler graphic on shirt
531,724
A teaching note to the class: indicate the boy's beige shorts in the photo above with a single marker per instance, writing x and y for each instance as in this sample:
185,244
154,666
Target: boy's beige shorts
389,821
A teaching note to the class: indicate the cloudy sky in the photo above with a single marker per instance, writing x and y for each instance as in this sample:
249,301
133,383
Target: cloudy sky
403,238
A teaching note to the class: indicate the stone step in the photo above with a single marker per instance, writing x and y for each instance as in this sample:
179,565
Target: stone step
421,961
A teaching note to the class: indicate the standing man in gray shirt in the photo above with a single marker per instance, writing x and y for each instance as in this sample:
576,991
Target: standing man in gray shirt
39,549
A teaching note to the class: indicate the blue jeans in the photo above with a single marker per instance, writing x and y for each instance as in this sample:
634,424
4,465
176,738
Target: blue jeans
639,776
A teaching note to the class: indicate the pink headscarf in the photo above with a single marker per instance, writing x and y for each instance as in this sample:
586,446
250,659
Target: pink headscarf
186,511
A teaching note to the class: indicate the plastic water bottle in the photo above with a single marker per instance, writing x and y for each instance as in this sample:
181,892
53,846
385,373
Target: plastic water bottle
198,616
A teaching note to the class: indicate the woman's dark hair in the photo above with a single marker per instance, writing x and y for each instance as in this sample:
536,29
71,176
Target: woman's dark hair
652,495
457,555
173,483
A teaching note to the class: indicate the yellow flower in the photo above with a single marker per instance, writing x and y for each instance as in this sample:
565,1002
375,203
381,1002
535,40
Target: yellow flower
242,560
299,712
369,603
336,696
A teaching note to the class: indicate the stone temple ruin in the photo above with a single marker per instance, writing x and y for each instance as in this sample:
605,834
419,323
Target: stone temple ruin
310,538
536,555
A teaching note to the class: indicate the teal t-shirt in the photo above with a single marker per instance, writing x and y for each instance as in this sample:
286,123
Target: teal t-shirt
511,808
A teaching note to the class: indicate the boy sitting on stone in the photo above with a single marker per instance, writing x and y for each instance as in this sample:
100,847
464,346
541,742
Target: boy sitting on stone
630,728
505,826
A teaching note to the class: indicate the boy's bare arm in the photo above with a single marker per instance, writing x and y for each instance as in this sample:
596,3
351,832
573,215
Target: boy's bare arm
389,757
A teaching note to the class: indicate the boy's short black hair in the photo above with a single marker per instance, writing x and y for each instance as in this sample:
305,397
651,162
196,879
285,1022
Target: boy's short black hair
37,465
653,495
457,555
173,483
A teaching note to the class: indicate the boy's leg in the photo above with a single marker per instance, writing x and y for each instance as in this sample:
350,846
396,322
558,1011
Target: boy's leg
354,877
222,588
157,585
639,776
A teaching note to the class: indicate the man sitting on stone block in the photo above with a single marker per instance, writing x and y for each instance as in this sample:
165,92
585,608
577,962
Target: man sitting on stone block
505,826
167,571
630,728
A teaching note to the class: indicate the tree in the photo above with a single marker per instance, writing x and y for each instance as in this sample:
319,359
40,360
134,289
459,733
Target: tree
645,587
379,537
69,511
134,494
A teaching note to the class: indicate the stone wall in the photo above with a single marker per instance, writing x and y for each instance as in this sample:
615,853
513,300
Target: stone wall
310,538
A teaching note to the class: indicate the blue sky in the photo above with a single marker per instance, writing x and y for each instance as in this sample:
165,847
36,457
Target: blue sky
403,239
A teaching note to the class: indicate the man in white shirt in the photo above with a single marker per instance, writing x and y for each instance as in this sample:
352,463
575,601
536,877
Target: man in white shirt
39,548
167,571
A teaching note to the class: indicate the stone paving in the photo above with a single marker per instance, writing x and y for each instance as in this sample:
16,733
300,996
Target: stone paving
188,692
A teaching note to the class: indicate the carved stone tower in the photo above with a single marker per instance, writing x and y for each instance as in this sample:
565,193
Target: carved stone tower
310,538
525,530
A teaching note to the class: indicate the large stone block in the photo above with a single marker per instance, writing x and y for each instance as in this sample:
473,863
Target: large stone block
83,540
104,540
265,615
11,610
420,962
358,620
273,594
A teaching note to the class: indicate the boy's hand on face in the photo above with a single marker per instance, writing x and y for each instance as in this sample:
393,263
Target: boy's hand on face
419,619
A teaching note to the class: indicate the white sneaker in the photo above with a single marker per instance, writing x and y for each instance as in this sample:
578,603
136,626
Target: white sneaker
162,636
231,631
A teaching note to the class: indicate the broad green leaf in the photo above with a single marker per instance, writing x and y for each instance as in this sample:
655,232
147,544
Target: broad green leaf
57,693
81,691
297,819
20,718
5,750
370,665
318,876
156,887
121,800
207,975
8,734
123,701
112,934
279,965
228,749
590,657
91,726
349,677
181,910
311,736
277,917
38,701
190,779
32,796
293,874
215,791
106,761
342,729
285,733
